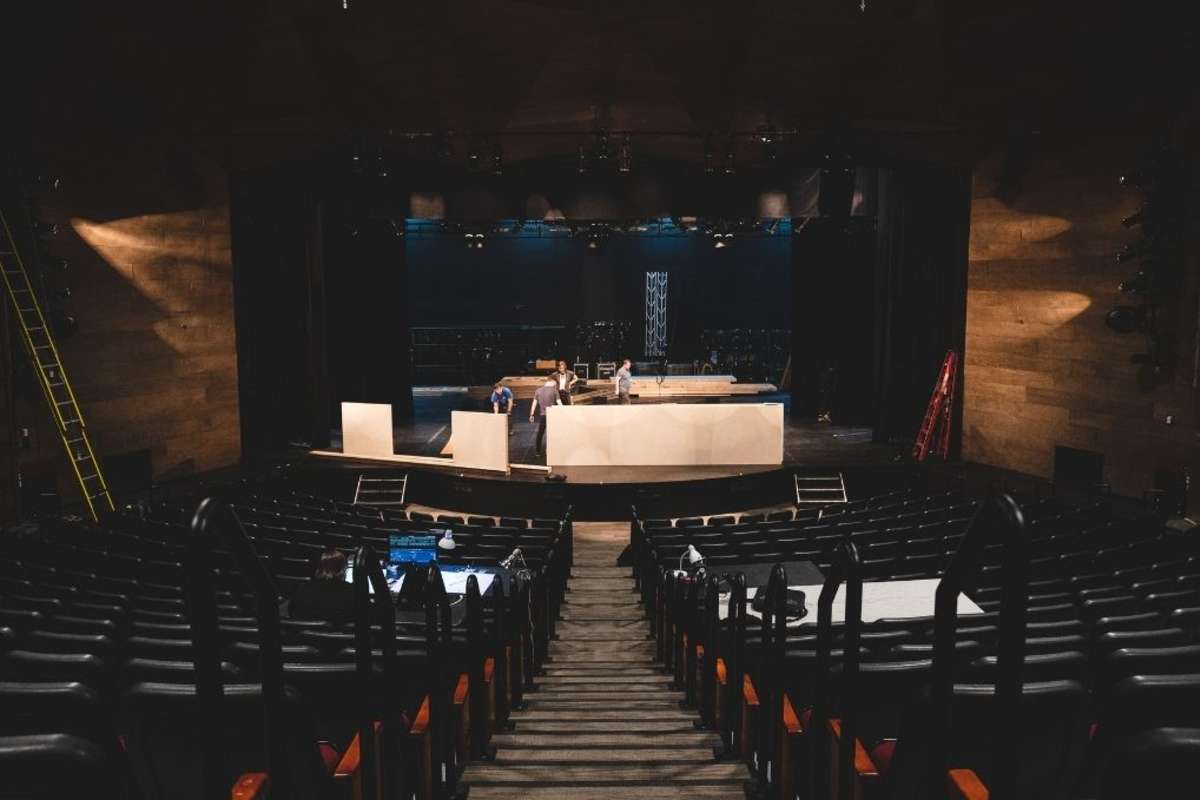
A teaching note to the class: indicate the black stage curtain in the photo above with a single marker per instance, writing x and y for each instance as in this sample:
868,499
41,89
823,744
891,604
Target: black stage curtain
320,285
279,305
920,286
832,319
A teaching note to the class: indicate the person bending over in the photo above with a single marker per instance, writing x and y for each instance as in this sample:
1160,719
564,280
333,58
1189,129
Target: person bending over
326,595
502,402
547,395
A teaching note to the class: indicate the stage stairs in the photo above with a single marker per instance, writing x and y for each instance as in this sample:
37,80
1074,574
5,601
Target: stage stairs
389,492
604,722
821,490
52,377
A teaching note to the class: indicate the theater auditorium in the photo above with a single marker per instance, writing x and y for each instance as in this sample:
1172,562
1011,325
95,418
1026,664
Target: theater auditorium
599,401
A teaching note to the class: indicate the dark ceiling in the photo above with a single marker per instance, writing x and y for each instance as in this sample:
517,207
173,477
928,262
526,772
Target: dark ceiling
941,73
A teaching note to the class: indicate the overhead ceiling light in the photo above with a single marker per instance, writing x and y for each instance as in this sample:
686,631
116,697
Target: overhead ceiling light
498,160
581,161
709,156
730,156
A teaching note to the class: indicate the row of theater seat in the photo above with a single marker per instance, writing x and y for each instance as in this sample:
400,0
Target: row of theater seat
96,640
1113,630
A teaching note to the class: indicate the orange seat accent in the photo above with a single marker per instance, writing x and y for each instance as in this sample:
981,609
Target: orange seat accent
250,786
722,674
421,723
791,723
489,669
461,690
967,785
748,692
863,765
349,763
882,754
699,651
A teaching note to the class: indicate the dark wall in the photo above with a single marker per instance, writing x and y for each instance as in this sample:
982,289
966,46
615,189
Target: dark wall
534,280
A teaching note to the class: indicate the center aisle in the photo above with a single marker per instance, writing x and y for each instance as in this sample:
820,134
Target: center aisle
604,722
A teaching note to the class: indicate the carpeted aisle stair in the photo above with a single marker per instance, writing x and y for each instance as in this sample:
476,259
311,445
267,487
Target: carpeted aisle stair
604,722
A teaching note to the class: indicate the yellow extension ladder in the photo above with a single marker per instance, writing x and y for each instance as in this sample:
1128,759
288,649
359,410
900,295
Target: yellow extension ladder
39,343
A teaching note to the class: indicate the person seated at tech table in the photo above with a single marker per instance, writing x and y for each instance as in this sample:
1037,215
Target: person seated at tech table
326,595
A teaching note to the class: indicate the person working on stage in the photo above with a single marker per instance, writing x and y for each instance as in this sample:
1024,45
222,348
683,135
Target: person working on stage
565,380
547,395
624,381
502,402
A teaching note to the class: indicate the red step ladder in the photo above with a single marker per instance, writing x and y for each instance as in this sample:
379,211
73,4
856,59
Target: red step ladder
939,414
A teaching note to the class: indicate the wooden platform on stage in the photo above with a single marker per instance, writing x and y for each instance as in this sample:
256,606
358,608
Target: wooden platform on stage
643,388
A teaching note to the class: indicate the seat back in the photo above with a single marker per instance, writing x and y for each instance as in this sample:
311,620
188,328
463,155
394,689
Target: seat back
53,766
1156,763
165,739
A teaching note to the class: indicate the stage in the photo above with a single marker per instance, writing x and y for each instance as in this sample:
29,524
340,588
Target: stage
809,448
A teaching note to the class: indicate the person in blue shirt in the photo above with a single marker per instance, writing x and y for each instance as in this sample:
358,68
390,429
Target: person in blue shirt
502,401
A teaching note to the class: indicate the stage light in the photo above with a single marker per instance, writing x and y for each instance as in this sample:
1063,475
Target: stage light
443,147
602,146
473,157
695,562
46,228
709,156
50,183
1126,319
447,541
1134,250
474,241
730,157
1139,283
498,160
581,161
1136,218
395,227
625,155
766,135
64,293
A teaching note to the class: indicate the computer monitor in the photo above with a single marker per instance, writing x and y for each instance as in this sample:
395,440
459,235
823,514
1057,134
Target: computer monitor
411,549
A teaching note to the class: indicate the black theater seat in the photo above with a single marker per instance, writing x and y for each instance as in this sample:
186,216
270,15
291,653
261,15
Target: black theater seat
56,766
36,707
1060,666
166,736
1158,763
28,665
1148,661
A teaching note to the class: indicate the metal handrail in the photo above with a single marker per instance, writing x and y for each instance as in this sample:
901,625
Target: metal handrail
215,521
998,517
368,574
846,568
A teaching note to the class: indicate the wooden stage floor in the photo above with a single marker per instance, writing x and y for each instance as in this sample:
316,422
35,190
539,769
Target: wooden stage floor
806,444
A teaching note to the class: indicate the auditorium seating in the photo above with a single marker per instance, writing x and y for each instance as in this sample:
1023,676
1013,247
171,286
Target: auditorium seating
1111,607
98,656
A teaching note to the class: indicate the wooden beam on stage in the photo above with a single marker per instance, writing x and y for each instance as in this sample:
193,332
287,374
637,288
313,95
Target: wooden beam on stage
421,461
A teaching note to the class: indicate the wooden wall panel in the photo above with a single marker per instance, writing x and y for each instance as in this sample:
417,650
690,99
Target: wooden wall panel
1042,369
154,364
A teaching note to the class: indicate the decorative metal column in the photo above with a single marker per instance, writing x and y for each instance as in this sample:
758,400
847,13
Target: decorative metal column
656,314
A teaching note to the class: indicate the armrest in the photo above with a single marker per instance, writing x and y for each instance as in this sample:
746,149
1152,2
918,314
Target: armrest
864,767
964,784
250,786
350,761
